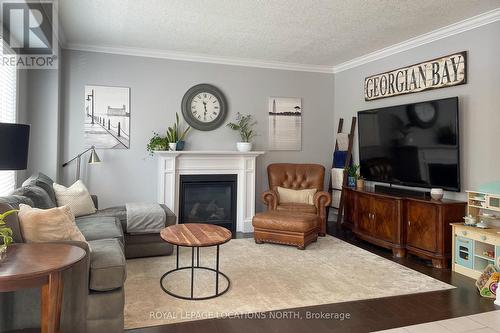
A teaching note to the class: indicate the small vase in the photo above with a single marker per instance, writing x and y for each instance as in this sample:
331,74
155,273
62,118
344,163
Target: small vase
172,146
360,184
351,181
244,146
180,145
3,252
437,193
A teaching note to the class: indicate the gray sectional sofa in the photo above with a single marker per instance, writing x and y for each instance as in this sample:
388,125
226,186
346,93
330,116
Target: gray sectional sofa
93,297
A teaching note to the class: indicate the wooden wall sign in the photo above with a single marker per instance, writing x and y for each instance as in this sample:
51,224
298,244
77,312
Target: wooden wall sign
442,72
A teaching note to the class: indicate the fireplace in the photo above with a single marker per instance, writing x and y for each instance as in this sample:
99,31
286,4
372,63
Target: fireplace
208,199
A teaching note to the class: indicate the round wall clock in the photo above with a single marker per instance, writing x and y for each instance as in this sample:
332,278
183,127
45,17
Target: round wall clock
204,107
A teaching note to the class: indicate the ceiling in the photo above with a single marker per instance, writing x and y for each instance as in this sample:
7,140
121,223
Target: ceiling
313,32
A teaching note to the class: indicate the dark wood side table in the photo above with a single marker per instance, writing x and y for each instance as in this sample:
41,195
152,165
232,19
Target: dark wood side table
40,264
196,235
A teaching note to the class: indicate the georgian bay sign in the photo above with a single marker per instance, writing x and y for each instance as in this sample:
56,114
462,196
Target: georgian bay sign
442,72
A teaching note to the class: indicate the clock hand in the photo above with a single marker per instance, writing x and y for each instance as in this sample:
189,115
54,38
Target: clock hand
205,113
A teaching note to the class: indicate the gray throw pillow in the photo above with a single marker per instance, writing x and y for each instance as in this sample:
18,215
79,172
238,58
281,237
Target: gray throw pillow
43,181
38,195
15,200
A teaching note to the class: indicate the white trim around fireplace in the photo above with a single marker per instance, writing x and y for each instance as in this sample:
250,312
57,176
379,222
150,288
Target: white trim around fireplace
172,164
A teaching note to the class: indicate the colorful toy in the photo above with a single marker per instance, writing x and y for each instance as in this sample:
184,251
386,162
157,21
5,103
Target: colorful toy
487,284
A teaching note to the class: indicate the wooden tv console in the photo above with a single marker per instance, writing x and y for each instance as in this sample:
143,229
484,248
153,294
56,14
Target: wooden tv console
403,224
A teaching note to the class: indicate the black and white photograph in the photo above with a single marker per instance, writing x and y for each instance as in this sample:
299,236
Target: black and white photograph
107,117
285,123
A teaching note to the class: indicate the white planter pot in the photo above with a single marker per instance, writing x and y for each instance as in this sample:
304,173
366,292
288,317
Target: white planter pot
244,146
172,146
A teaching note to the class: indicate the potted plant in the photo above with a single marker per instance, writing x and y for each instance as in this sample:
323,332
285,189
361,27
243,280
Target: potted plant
244,125
181,135
352,175
5,234
157,142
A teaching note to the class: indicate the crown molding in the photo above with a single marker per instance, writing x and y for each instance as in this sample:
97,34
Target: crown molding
450,30
173,55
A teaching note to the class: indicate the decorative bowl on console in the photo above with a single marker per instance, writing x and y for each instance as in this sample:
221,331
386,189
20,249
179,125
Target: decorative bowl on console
437,193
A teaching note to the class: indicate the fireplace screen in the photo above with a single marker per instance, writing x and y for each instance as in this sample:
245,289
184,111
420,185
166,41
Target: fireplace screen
208,199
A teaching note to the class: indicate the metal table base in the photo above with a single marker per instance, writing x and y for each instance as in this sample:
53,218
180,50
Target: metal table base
193,268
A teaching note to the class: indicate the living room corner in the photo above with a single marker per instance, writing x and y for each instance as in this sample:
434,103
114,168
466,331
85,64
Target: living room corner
214,166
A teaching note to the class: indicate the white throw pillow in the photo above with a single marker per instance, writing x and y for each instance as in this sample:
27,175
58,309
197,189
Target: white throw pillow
287,195
77,197
46,225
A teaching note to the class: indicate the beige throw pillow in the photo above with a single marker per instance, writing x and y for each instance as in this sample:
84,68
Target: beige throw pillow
77,197
296,196
47,225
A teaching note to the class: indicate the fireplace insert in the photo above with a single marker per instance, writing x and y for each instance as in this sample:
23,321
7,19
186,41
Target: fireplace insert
208,199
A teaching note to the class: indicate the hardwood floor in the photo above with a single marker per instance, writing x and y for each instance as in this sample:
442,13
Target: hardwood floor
365,315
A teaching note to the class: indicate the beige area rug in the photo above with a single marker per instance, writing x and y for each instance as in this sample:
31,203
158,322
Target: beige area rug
266,277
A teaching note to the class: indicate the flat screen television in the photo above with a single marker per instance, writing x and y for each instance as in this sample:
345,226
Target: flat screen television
412,145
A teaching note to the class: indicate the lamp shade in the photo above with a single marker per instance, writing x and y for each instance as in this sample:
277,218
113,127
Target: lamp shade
94,158
14,141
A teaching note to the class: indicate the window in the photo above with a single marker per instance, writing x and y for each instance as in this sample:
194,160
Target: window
8,87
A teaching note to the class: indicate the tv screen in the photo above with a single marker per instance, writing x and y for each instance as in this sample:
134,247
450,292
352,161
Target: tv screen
413,144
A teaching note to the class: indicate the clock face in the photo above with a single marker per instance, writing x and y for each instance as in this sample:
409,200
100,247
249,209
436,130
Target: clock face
204,107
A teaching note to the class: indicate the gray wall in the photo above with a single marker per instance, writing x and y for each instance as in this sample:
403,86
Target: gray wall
157,87
479,98
38,105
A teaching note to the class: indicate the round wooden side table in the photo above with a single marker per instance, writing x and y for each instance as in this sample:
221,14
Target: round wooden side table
196,235
40,264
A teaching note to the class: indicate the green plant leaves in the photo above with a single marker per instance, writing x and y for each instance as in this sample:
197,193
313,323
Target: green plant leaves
244,125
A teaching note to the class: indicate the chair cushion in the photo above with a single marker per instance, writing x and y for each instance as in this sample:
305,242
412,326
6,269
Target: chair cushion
305,196
285,221
100,227
295,207
38,196
41,180
107,265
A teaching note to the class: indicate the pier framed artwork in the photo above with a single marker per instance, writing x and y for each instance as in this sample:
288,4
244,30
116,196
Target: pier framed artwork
107,117
285,123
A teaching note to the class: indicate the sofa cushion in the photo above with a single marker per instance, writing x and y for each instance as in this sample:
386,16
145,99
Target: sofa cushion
47,225
15,200
120,212
107,265
77,197
38,196
43,181
100,227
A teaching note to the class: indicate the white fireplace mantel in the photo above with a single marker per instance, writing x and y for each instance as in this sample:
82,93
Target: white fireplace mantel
172,164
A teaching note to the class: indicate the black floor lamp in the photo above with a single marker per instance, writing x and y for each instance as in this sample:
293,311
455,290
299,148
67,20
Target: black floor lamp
94,159
14,142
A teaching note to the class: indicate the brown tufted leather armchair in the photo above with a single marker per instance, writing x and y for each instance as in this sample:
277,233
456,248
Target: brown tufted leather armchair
298,177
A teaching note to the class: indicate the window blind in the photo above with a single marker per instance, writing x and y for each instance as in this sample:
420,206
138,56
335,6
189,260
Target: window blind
8,99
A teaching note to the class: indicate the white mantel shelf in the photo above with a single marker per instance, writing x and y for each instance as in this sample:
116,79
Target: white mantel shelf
173,164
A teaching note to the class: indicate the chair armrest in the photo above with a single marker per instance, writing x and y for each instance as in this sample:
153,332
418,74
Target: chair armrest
270,198
321,200
95,200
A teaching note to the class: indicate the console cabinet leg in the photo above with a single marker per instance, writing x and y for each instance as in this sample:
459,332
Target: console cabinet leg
398,253
440,263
